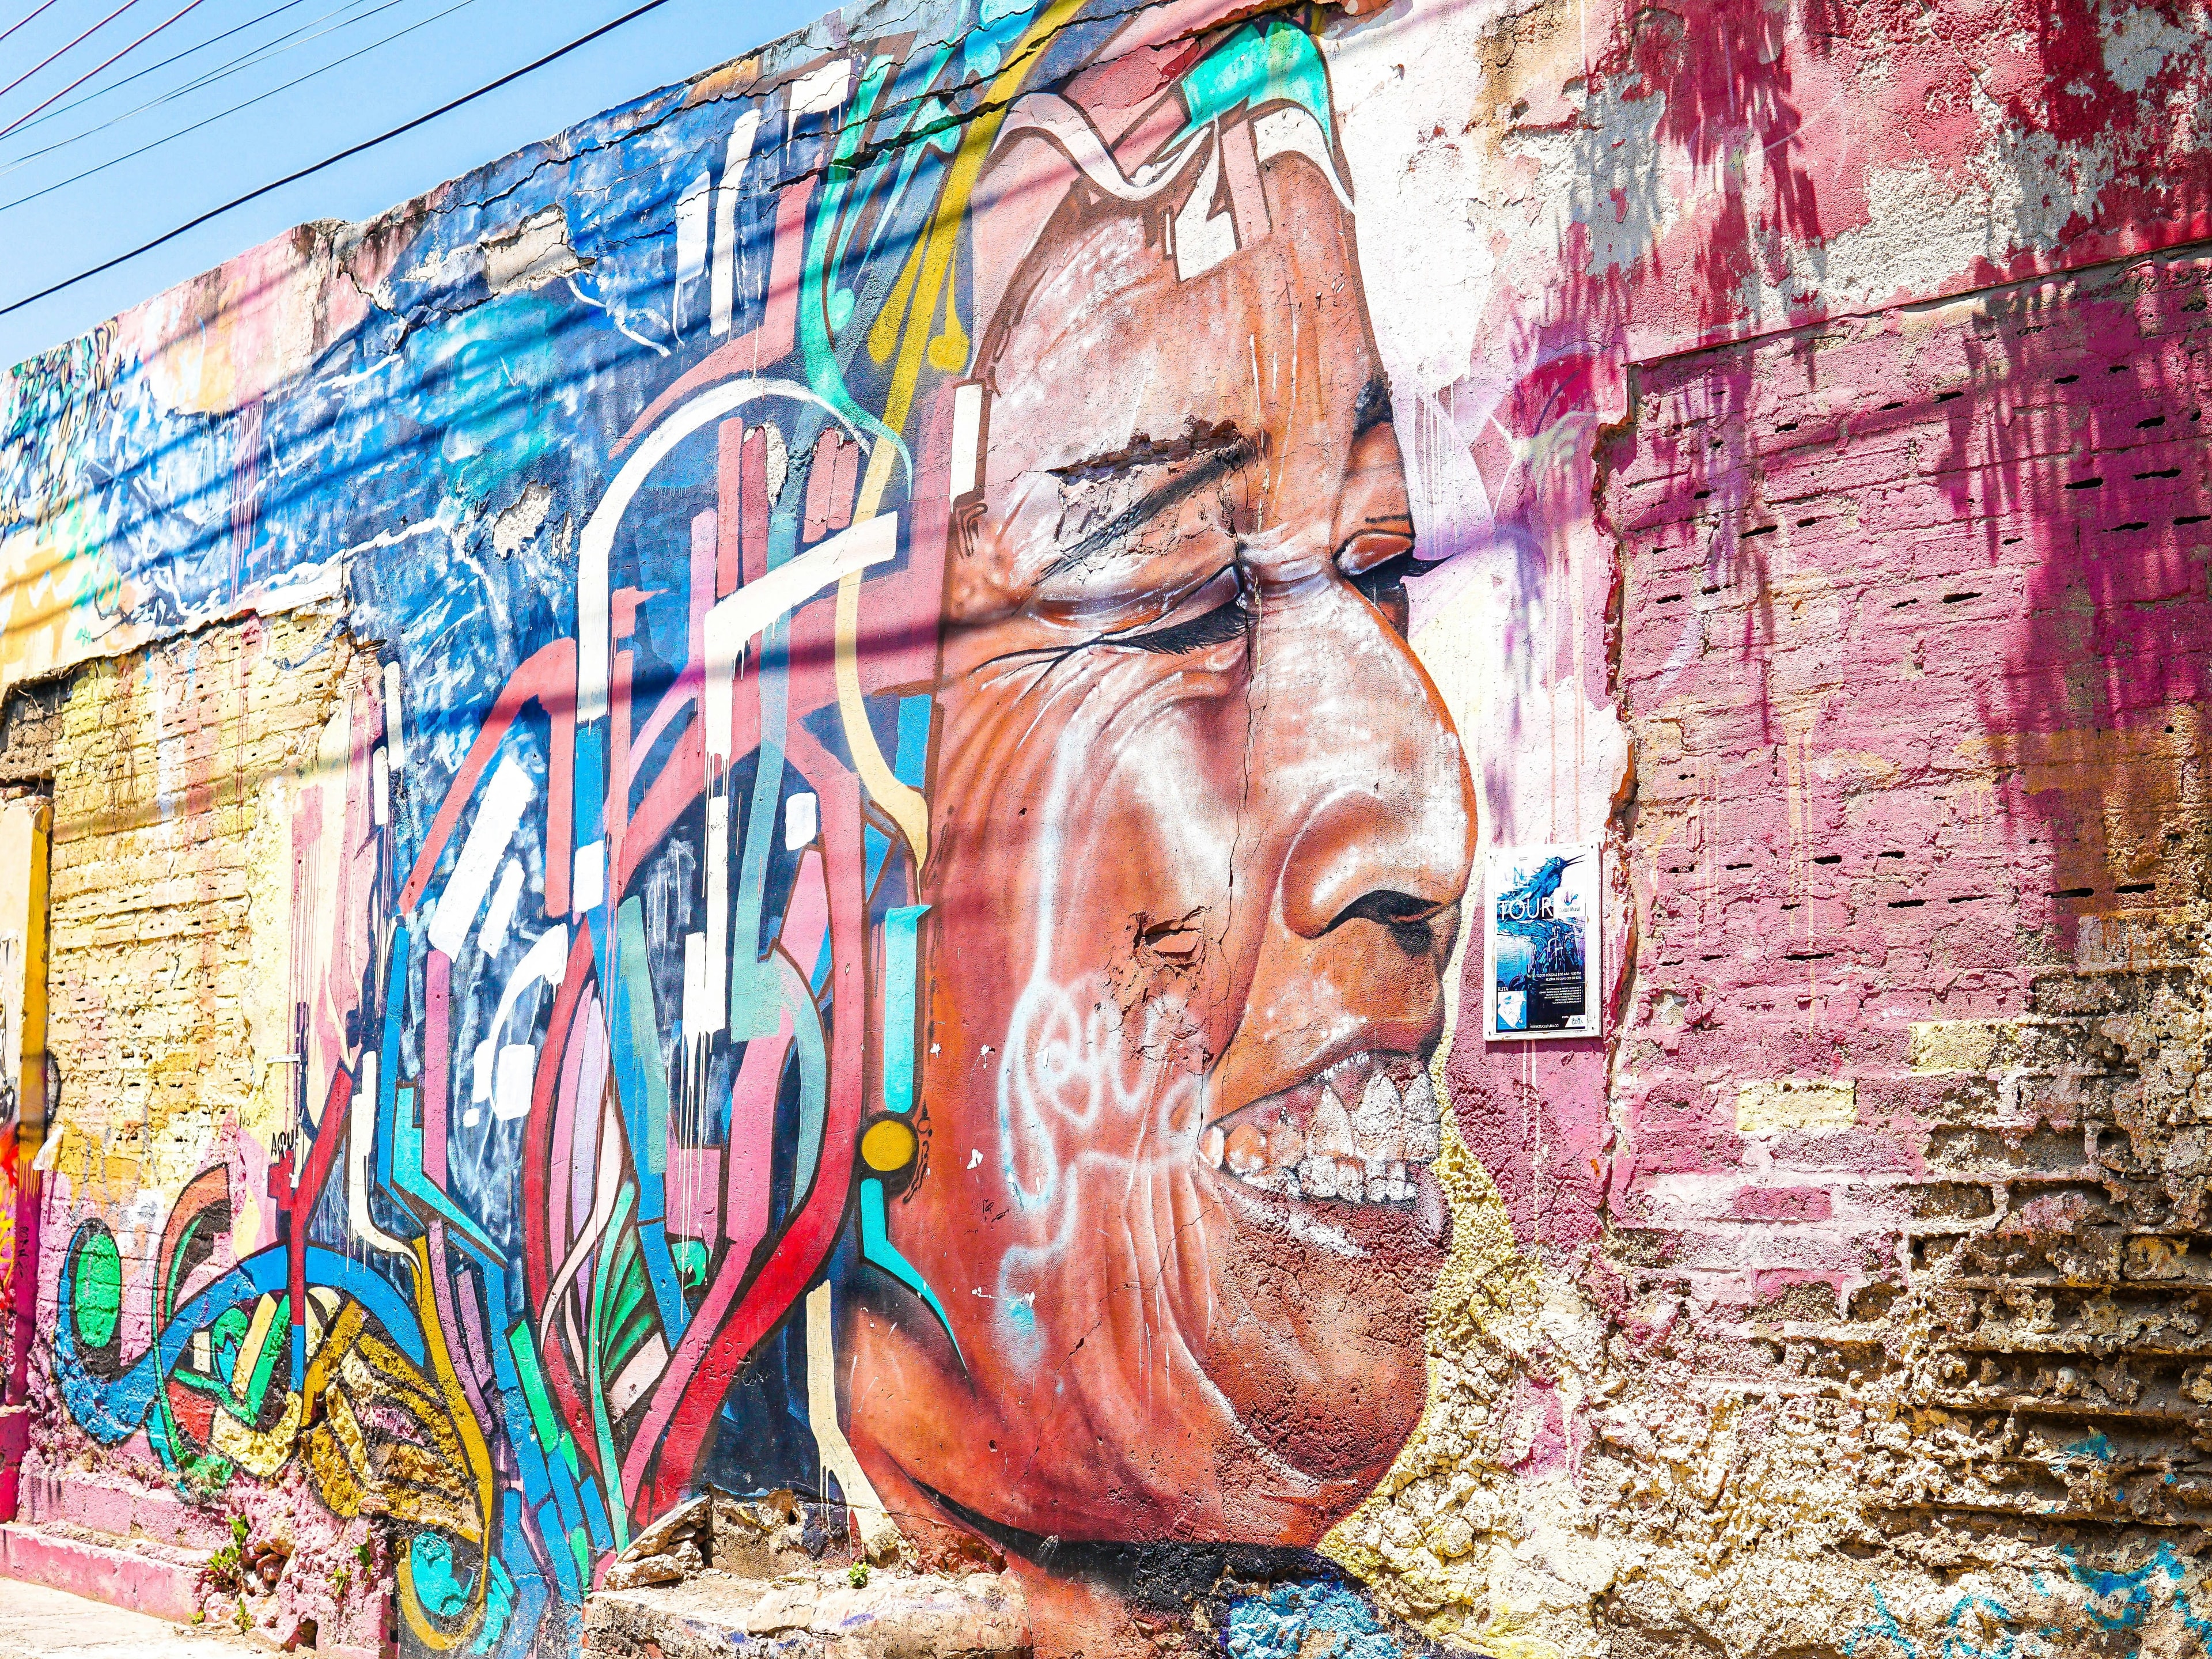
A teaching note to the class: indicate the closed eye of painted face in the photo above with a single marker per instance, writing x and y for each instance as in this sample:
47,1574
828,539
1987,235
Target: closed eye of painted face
1199,827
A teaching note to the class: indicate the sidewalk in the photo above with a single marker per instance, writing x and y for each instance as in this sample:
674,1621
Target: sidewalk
38,1623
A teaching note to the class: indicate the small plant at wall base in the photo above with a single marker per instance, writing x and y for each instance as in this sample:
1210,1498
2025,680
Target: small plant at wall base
226,1567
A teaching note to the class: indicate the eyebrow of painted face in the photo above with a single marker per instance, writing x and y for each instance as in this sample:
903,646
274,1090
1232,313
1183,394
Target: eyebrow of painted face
1205,457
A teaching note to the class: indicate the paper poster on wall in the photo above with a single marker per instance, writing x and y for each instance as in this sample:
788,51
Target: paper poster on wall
1539,938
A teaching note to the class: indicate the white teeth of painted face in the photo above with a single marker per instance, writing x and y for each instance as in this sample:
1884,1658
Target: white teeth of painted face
1306,1143
1378,1125
1423,1134
1317,1177
1331,1133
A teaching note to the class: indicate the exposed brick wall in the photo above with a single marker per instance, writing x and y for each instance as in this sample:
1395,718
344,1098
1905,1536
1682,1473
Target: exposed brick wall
1916,649
30,721
156,787
161,906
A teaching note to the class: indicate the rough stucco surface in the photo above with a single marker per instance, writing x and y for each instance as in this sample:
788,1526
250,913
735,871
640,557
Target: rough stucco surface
1800,410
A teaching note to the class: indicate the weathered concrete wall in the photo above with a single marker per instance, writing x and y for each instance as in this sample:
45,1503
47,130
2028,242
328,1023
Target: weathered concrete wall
787,795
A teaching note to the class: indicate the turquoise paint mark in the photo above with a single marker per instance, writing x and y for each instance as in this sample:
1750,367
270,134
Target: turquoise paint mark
442,1590
590,781
1250,70
823,373
999,24
644,1079
498,365
2134,1587
875,847
517,1604
689,1256
1957,1645
595,1340
877,1250
1307,1621
499,1606
509,1357
912,766
901,938
407,1177
1882,1627
595,1517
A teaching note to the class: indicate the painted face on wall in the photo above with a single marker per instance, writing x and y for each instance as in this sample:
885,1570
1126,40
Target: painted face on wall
1201,826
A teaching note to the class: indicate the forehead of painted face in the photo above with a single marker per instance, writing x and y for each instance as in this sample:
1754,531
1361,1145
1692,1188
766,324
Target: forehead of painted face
1147,419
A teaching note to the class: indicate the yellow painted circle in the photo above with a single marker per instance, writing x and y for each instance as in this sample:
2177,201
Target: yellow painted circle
889,1145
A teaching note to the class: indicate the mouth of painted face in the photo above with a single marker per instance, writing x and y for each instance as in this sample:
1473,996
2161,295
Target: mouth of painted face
1362,1130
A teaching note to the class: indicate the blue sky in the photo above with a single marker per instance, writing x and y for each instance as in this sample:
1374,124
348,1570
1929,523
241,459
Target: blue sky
431,50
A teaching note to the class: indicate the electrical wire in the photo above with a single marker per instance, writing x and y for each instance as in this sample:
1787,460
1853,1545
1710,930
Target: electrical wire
243,103
189,5
348,154
120,81
20,22
253,57
72,46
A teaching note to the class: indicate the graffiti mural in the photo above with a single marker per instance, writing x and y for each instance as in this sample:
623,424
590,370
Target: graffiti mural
781,799
861,947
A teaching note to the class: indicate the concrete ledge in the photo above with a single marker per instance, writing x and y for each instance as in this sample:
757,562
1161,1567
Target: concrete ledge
818,1615
150,1578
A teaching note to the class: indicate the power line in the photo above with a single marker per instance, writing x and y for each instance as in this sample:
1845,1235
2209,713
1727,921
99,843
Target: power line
72,46
220,115
20,22
118,84
447,108
189,5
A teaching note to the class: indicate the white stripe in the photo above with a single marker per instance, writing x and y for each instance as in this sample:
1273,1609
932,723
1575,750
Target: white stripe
966,432
819,92
735,622
716,962
499,812
724,297
547,956
360,1141
500,916
691,210
392,737
595,548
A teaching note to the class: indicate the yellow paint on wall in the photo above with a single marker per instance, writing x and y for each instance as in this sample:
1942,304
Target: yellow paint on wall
1773,1104
1941,1046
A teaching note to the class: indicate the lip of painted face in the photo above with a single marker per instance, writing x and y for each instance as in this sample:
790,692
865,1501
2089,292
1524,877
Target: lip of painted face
1199,831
